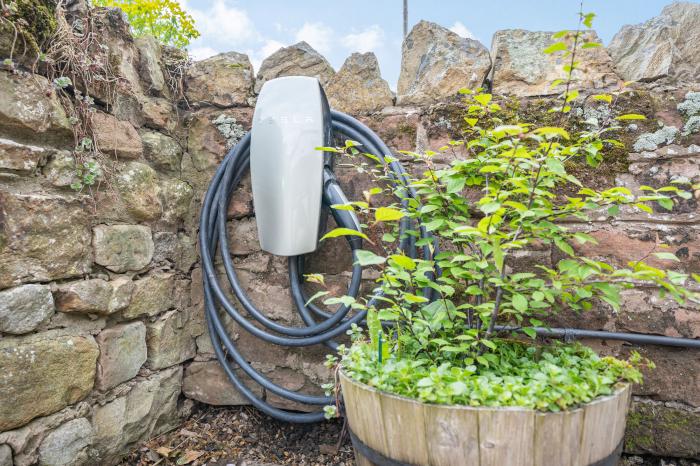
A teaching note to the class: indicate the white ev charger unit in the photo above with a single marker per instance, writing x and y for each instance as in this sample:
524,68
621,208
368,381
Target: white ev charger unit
291,119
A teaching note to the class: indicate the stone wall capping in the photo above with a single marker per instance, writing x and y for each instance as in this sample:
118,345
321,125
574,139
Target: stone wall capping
358,86
224,80
436,63
299,59
663,50
521,68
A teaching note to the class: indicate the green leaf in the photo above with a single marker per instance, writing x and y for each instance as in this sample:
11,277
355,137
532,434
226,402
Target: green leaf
555,83
426,209
631,116
603,97
644,207
403,261
530,332
488,344
564,246
667,256
365,258
458,388
490,207
387,214
555,47
344,300
666,203
316,296
588,19
343,232
471,121
483,99
455,184
571,95
327,149
552,131
498,256
434,225
520,302
411,298
490,169
591,45
374,328
555,166
342,207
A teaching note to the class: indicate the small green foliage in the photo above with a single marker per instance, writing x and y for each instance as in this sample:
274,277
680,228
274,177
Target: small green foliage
330,412
165,20
62,82
87,175
515,374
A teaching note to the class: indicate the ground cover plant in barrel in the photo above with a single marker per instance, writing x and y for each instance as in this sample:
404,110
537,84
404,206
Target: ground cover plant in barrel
460,327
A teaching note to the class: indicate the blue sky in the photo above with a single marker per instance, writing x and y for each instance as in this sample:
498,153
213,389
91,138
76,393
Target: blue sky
336,29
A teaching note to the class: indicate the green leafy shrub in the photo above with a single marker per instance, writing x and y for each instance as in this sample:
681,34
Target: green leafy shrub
528,376
164,20
442,329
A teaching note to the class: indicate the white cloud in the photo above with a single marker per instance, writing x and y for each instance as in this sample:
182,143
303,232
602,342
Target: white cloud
200,53
224,25
461,30
367,40
270,47
317,35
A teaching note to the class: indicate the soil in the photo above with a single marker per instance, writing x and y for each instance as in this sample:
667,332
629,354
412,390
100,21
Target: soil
243,436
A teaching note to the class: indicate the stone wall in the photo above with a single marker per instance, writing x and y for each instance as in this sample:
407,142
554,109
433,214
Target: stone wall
102,342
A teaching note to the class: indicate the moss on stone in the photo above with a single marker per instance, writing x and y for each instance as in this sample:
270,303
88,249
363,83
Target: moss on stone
657,429
35,22
407,129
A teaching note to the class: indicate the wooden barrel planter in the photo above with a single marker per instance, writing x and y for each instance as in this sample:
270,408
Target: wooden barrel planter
389,430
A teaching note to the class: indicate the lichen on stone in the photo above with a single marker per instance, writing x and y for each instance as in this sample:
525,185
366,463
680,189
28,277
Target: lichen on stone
594,115
691,105
652,141
691,126
229,129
